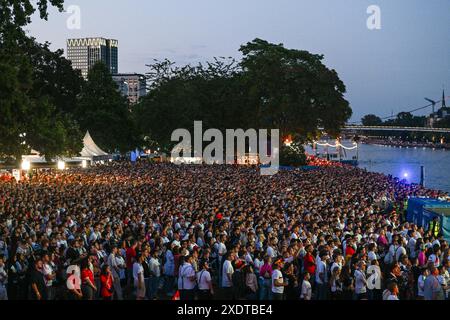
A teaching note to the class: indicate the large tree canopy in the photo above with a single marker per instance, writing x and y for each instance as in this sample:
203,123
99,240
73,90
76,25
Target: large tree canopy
292,90
271,88
38,88
104,112
371,120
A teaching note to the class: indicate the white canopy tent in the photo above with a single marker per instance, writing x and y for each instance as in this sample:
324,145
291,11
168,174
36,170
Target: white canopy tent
89,151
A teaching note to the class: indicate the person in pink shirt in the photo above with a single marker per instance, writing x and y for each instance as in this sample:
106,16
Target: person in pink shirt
421,256
265,278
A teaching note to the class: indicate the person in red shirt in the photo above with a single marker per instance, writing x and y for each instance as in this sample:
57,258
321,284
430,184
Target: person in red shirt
349,250
88,287
130,259
309,262
106,281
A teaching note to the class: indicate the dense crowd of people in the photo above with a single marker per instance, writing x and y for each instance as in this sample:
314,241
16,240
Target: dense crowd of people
163,231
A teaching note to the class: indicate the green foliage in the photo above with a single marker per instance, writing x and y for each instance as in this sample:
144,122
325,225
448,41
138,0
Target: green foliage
444,123
292,90
293,156
371,120
406,119
178,96
104,112
15,83
272,87
18,12
38,88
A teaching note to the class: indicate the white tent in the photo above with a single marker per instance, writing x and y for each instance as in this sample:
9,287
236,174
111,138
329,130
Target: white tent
90,149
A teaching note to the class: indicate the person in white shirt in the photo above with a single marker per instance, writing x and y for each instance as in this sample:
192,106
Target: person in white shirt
399,252
204,281
48,269
187,279
391,293
361,281
227,274
434,257
113,264
221,253
306,291
155,274
371,255
278,283
138,277
412,245
421,284
271,252
322,276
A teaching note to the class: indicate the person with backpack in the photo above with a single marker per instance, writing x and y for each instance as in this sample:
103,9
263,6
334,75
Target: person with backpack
204,280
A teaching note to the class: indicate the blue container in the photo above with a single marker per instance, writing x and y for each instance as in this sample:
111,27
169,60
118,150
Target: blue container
422,210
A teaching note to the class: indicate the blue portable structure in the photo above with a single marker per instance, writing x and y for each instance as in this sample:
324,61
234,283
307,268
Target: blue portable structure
423,210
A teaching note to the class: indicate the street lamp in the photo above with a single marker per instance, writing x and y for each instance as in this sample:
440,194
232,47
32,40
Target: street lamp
61,165
26,165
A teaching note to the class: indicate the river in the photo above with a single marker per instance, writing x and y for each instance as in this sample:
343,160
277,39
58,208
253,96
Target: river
404,163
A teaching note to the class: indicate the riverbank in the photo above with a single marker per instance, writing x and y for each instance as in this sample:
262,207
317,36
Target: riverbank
407,144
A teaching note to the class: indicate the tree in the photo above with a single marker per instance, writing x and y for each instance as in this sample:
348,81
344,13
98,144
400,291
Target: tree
178,96
15,83
36,86
406,119
104,112
293,156
271,88
292,90
371,120
19,12
444,123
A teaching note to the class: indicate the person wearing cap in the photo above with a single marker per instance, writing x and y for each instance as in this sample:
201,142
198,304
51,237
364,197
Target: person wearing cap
278,282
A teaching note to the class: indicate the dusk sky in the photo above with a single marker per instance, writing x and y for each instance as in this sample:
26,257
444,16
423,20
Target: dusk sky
385,70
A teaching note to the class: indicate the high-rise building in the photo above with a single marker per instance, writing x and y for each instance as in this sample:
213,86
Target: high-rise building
131,85
84,53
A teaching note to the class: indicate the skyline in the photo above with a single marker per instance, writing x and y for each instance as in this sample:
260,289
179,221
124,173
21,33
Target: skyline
387,70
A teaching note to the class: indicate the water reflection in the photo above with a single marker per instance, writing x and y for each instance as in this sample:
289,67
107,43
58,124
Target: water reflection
404,163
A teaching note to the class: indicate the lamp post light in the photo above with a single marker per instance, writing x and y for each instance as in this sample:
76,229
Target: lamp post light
61,165
26,165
